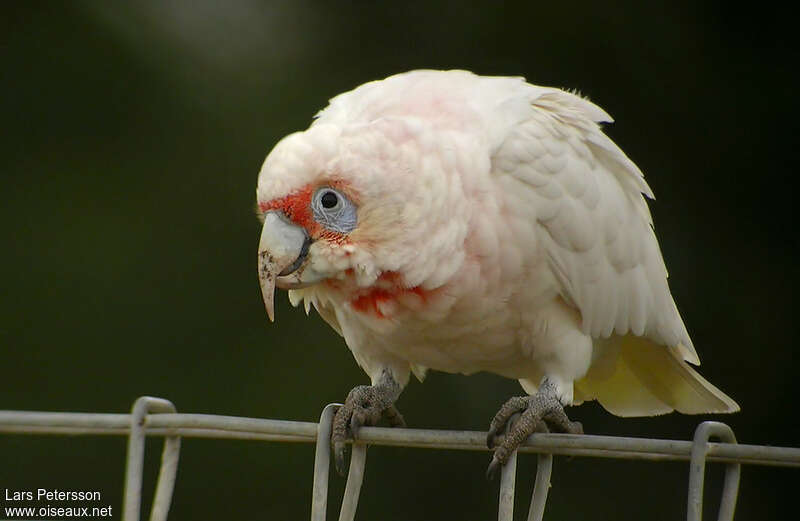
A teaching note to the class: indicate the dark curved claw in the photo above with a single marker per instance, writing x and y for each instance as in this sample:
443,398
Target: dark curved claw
365,405
494,467
339,450
512,406
538,411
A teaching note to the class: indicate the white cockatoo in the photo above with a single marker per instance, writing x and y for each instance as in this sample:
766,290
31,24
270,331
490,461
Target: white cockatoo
444,220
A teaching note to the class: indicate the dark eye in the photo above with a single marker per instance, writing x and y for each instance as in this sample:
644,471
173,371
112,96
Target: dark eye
329,200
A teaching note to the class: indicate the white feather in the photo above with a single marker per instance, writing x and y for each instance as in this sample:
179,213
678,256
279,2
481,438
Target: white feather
596,226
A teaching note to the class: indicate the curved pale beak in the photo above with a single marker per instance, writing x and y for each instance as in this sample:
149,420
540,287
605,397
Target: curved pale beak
281,251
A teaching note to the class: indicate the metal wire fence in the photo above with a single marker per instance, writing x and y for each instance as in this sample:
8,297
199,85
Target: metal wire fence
158,417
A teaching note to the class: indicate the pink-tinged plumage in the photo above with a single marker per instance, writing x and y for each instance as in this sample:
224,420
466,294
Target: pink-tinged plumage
499,229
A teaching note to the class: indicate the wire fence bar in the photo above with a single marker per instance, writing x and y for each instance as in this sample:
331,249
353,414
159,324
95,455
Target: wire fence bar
508,479
544,469
355,478
697,469
322,463
164,424
586,445
157,417
134,467
229,427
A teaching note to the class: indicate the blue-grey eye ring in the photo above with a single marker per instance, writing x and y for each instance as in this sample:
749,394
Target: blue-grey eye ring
333,210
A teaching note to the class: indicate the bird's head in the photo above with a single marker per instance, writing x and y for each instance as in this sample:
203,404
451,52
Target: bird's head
362,203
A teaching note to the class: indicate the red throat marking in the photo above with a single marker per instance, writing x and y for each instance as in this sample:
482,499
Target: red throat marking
388,289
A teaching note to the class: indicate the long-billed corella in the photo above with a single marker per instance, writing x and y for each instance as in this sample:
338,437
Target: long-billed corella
444,220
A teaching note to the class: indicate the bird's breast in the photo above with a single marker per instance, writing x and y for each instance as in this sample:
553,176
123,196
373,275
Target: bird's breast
473,323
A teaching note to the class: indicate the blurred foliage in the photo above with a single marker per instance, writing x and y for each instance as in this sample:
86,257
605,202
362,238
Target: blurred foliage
132,136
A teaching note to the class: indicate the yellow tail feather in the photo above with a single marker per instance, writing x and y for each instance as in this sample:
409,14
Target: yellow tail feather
636,377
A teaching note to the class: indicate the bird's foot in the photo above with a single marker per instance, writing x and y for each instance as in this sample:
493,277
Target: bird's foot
365,405
537,412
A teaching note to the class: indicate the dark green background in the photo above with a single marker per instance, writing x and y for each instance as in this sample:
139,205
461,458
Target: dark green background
132,134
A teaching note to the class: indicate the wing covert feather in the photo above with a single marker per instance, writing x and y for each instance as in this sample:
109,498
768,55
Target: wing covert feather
592,220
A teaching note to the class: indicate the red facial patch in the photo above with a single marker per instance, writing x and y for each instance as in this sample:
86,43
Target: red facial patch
297,207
